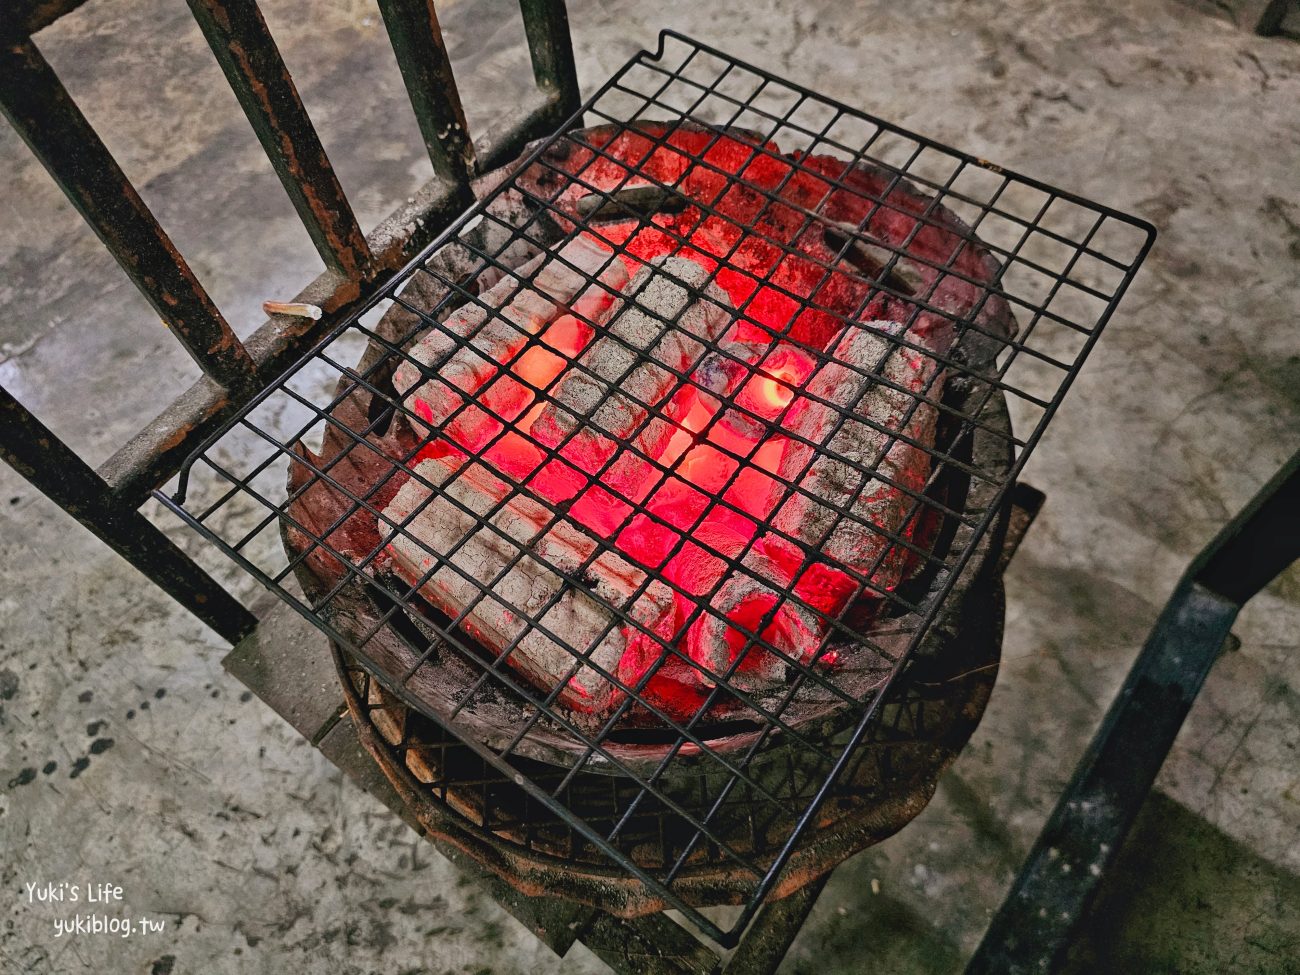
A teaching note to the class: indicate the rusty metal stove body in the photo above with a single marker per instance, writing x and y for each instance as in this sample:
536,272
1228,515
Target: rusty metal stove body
688,789
505,656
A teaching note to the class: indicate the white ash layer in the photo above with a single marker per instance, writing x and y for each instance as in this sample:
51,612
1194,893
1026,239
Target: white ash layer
606,402
499,575
857,482
871,464
459,357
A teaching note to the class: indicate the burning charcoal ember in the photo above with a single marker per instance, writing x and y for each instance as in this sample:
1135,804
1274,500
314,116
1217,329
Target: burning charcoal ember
497,569
870,439
648,413
844,420
692,411
625,483
746,613
717,377
766,390
757,226
946,293
655,326
466,351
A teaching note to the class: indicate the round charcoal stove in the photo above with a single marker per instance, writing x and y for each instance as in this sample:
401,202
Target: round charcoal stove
705,796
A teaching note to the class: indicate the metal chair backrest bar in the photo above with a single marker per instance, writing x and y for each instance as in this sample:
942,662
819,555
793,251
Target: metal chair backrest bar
44,114
1082,839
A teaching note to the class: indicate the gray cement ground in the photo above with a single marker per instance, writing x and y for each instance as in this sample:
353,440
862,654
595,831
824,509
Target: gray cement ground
128,756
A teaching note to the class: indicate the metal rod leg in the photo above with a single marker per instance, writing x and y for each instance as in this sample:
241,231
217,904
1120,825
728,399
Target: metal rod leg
1034,928
52,467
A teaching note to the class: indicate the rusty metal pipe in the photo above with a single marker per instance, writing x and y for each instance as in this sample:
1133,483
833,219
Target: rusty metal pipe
242,43
416,37
44,114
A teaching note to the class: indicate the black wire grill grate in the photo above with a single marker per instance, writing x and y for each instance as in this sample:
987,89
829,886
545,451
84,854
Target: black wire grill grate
537,599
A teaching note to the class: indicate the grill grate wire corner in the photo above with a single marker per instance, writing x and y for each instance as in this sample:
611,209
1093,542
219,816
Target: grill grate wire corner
1059,266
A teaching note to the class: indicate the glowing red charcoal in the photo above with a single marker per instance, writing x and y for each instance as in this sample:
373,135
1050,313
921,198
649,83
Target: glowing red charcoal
705,485
702,408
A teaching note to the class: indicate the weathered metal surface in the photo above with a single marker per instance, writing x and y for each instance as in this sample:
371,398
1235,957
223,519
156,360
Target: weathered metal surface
426,70
242,43
893,780
49,464
546,22
1259,544
555,920
775,927
34,15
1082,838
157,451
652,945
42,112
284,661
1026,502
496,146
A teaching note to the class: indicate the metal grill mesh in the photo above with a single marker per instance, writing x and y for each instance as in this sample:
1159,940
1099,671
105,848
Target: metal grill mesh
807,219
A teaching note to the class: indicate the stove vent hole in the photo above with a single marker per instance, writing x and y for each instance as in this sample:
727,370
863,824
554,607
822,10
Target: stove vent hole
668,736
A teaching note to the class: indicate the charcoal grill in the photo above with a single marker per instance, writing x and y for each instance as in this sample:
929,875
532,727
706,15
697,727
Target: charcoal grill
754,788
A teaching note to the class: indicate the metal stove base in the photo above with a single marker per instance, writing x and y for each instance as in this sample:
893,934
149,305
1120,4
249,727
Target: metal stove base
287,664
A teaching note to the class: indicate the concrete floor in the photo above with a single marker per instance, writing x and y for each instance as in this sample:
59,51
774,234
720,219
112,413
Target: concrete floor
128,756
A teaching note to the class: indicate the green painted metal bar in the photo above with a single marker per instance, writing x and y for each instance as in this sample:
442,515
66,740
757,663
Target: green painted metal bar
242,43
546,22
426,70
52,467
42,112
1272,16
1033,930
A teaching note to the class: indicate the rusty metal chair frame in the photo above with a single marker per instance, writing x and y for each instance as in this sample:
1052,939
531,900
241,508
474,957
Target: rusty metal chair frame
108,500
